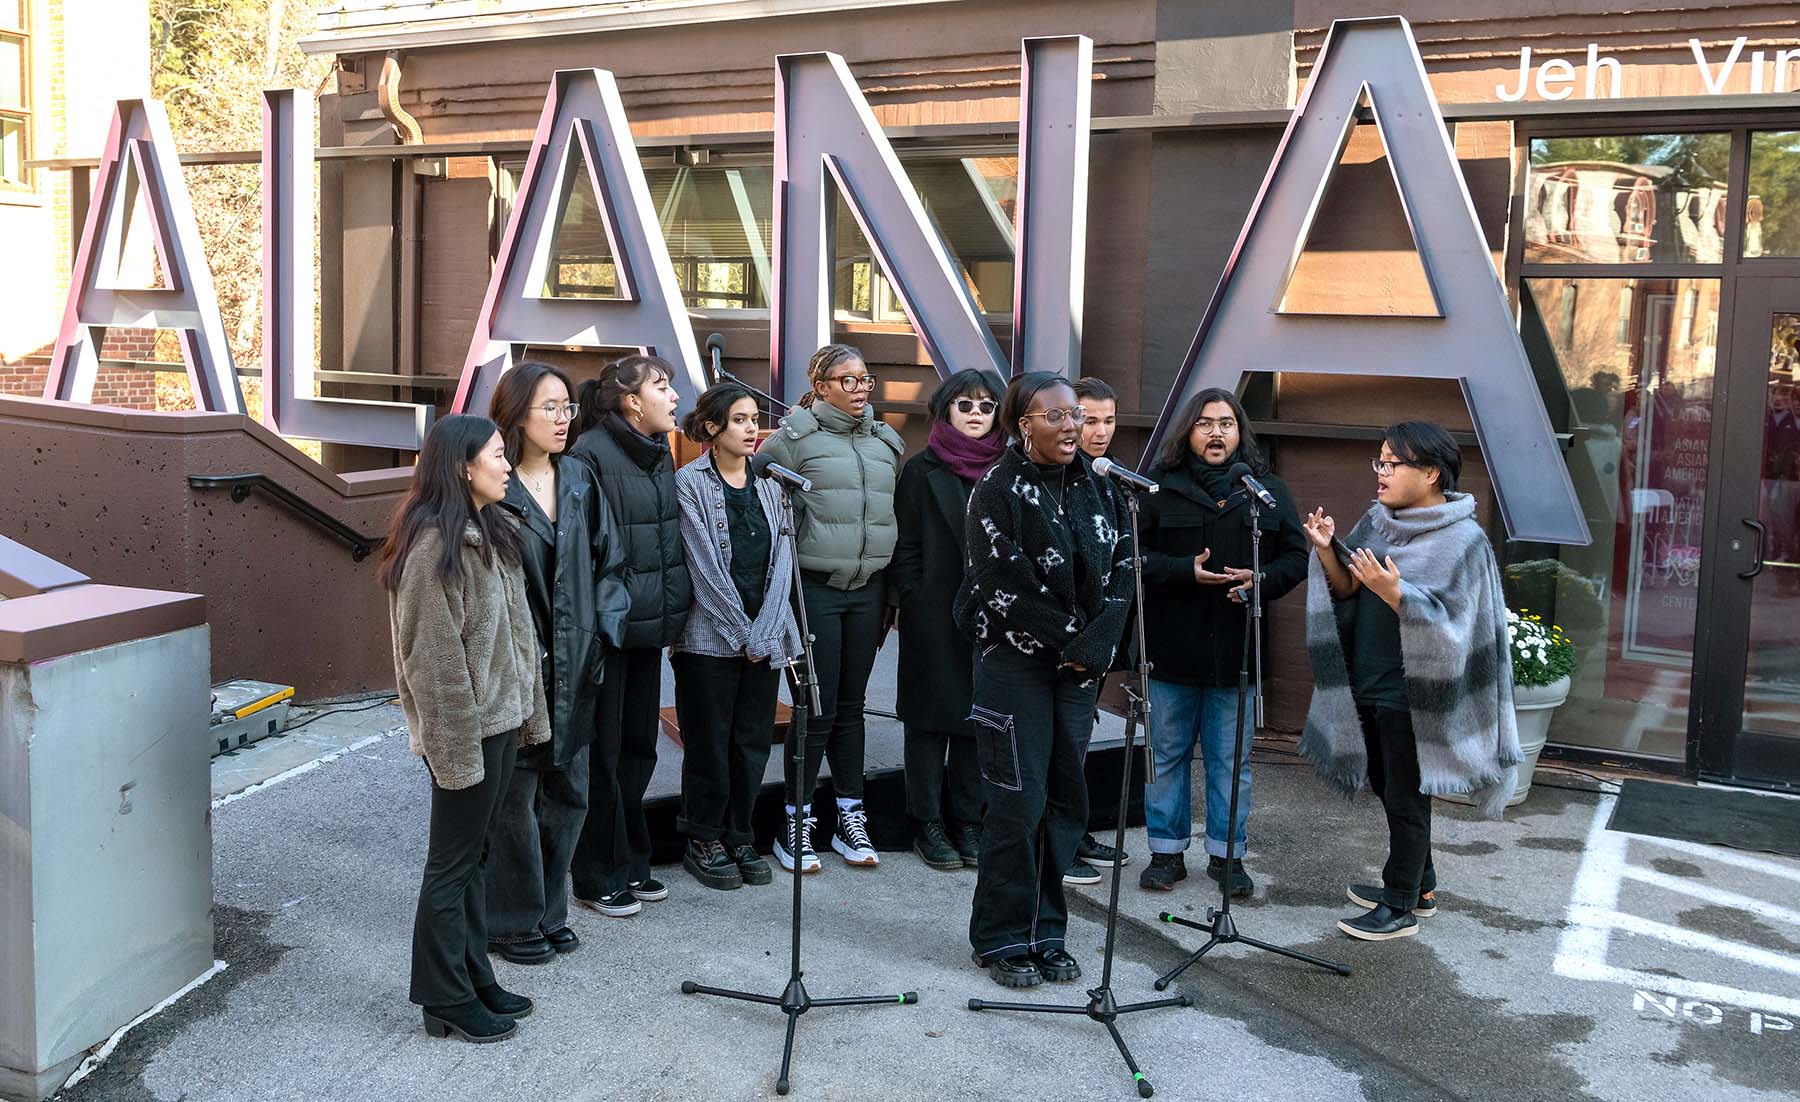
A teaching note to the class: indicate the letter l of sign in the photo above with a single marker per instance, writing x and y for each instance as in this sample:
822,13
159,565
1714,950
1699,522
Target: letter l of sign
1474,341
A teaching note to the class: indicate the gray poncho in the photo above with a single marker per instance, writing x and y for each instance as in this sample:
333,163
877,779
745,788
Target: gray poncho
1453,641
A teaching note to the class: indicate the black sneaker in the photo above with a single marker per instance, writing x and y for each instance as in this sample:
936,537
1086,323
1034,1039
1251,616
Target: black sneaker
1080,872
1164,871
471,1021
1368,896
851,838
619,904
1057,965
751,866
707,860
649,890
1381,924
933,846
536,950
503,1002
1097,853
785,849
1241,884
1015,971
968,844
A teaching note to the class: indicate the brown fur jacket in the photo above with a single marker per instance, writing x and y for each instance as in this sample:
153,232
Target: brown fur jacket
466,659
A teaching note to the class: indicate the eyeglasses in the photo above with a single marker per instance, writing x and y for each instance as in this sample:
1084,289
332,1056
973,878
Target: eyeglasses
1055,417
854,383
557,412
1384,467
970,405
1223,425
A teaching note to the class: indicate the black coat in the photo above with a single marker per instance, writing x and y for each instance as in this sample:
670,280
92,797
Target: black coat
638,475
1194,632
936,658
579,608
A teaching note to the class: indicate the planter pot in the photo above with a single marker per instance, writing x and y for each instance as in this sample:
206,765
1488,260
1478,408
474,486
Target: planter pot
1533,707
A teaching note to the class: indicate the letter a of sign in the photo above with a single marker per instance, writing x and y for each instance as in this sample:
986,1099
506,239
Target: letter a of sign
1474,340
824,125
288,403
583,118
140,154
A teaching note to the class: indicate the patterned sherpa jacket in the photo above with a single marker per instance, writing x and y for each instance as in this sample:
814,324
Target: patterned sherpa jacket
1043,576
466,658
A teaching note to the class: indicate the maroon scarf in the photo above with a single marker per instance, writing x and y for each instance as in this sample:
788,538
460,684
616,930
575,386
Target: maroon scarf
967,457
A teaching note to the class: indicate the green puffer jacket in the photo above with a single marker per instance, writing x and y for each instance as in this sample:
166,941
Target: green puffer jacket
846,524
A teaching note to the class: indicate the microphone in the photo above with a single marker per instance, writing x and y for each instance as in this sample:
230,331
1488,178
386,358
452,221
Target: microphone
764,466
1240,472
715,349
1106,468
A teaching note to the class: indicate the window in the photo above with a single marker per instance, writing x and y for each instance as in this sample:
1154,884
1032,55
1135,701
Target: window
1629,199
15,93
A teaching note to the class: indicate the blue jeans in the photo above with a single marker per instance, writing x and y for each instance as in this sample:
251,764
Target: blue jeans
1180,717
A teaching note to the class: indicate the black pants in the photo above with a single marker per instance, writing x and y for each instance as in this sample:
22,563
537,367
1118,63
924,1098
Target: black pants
449,950
1032,725
1394,777
532,843
727,711
846,628
614,848
943,777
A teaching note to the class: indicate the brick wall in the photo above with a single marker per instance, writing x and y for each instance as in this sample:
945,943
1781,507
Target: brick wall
130,387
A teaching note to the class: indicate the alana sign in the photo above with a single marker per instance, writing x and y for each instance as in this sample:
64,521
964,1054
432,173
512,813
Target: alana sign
826,141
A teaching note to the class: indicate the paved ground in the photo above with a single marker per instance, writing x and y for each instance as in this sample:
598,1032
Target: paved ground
1567,963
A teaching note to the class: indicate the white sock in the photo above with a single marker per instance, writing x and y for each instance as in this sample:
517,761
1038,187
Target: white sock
849,804
804,812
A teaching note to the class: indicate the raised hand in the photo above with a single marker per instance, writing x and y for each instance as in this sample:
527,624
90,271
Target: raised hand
1320,529
1381,576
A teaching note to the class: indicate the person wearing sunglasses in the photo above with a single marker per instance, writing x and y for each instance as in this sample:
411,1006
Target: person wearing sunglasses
574,559
1196,580
845,531
1412,665
1043,602
943,783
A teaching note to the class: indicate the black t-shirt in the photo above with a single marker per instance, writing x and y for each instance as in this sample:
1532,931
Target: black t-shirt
749,544
1377,670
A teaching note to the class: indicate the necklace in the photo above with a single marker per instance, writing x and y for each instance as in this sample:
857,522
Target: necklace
538,486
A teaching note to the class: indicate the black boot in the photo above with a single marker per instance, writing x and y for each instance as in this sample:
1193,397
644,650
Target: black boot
1015,971
707,859
1241,884
933,846
968,844
471,1021
1057,965
1164,871
536,950
503,1002
751,866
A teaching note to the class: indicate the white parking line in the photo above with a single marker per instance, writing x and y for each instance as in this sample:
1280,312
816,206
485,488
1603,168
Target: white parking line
1716,896
1724,856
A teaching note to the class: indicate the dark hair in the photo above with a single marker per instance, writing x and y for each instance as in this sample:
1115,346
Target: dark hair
714,405
964,383
1020,393
819,367
1175,450
1427,446
626,375
511,403
1095,389
439,499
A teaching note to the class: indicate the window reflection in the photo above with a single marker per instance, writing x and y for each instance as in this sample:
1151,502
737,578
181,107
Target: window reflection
1631,199
1772,208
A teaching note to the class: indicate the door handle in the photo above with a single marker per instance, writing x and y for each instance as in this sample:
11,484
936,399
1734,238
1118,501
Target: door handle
1754,526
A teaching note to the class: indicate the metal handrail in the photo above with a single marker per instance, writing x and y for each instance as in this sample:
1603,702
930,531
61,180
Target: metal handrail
240,486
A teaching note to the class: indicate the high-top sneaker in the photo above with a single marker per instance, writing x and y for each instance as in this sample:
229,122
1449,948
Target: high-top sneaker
786,848
851,837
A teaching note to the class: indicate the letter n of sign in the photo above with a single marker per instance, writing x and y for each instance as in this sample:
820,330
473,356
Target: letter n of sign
140,156
583,118
825,128
1472,339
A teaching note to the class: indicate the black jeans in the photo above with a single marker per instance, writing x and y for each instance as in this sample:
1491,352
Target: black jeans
846,628
943,777
1032,726
532,843
726,707
614,848
449,949
1394,777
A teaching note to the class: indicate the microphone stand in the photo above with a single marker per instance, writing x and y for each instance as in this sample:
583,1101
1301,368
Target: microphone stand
794,999
716,354
1219,924
1102,1006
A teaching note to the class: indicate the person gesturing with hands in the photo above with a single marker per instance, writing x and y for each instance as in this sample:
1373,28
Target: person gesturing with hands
1362,568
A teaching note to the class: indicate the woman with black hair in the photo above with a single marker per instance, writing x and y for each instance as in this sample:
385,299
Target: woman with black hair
1196,536
943,781
620,425
739,636
573,557
1044,599
467,671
